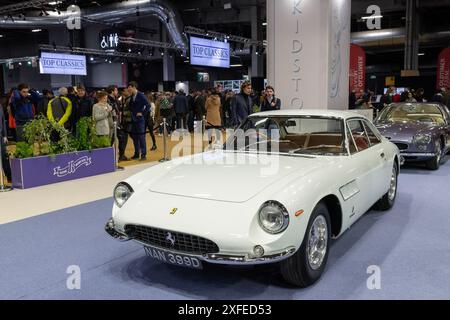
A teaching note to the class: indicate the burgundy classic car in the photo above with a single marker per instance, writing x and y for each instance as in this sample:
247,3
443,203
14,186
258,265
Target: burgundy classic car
420,130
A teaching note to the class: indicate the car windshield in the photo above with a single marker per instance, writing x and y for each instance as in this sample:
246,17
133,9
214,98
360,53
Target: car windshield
298,135
426,113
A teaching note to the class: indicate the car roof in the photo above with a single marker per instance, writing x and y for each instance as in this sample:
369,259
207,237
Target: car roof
311,112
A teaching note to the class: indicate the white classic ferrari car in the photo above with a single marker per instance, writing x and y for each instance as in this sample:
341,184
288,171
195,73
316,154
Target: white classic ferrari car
279,189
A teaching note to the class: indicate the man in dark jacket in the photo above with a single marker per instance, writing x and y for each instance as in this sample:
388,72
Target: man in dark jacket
191,114
3,143
270,102
139,107
180,105
113,96
84,104
125,123
242,106
72,96
199,105
22,109
47,96
113,101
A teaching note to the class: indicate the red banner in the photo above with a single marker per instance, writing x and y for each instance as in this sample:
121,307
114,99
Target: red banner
357,68
443,72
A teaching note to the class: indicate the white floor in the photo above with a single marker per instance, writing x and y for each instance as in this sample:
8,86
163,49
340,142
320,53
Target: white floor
21,204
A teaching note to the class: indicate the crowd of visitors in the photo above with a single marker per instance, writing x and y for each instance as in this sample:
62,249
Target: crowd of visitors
365,99
135,113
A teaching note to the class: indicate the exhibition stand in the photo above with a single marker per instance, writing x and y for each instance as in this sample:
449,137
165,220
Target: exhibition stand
51,154
39,171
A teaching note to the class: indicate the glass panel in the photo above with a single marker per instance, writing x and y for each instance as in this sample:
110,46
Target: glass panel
403,113
359,134
351,143
291,135
374,140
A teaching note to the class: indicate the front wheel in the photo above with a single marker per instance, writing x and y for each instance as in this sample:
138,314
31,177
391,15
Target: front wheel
388,200
435,162
306,266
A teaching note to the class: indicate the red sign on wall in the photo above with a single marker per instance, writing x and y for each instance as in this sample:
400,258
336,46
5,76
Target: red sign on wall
357,68
443,72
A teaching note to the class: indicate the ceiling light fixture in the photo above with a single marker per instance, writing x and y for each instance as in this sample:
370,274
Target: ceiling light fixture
372,17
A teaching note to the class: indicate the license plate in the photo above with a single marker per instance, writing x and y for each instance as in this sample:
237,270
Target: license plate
176,259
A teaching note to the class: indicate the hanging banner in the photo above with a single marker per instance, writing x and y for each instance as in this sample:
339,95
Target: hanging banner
59,63
357,68
443,72
210,53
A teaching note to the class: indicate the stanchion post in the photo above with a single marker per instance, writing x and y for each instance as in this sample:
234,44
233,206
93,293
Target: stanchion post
116,158
164,124
2,182
204,125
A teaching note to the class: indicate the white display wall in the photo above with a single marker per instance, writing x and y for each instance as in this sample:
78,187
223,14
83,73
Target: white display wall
309,52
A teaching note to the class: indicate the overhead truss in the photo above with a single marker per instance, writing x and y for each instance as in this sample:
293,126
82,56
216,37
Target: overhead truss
94,52
33,4
223,36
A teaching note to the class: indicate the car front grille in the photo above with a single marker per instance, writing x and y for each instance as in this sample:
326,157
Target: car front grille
402,146
175,241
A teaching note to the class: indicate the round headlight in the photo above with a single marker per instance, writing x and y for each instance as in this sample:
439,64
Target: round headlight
122,193
273,217
422,138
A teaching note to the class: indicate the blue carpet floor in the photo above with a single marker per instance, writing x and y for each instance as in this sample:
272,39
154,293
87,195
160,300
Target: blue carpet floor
411,245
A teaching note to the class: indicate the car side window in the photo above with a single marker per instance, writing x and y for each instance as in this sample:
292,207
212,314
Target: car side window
351,142
359,135
373,138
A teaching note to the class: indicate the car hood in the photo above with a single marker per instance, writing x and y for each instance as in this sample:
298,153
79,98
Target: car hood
228,176
404,131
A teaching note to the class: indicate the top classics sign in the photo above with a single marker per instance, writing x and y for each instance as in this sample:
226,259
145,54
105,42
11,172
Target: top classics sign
210,53
67,64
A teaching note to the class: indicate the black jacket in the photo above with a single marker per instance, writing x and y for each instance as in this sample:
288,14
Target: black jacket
180,104
266,106
241,108
84,107
139,104
199,106
3,132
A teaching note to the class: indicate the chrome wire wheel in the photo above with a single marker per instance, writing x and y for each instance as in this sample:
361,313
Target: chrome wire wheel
438,152
393,186
317,244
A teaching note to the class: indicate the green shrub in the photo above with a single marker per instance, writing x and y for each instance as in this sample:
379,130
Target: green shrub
85,134
101,142
23,150
46,138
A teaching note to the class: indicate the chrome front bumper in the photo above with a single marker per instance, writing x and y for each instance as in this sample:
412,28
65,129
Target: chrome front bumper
246,260
243,259
111,230
418,155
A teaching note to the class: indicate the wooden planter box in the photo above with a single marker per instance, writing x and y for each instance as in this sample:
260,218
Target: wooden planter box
40,171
